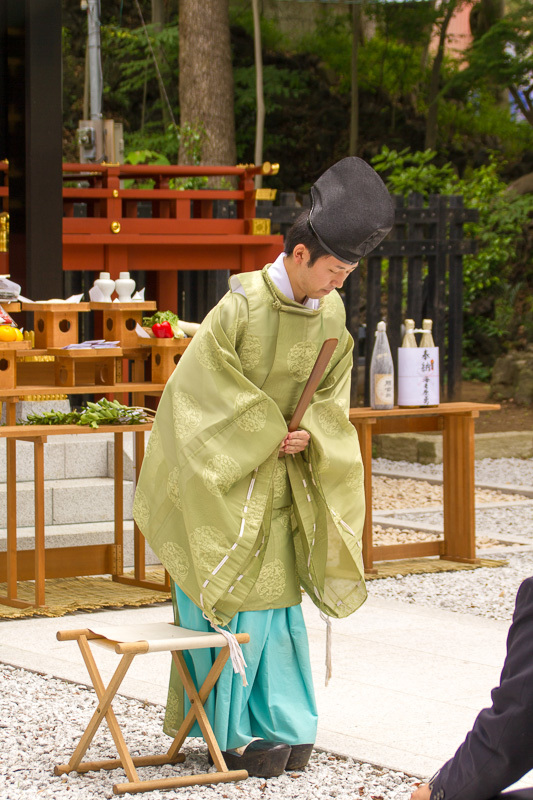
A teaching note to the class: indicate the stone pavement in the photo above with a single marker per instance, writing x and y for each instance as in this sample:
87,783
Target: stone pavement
407,680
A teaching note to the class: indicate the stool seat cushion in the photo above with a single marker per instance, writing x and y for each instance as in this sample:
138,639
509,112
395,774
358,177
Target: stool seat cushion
159,636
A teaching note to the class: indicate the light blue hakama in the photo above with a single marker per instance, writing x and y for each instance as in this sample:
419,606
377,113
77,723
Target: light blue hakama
279,701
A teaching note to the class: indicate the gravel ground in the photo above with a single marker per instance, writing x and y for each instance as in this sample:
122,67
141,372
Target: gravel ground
390,493
516,522
37,733
500,471
486,592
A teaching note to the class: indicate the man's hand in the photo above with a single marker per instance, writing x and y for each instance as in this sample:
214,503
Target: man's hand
422,793
293,443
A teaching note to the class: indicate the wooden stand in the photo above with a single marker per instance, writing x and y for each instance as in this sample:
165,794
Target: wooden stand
55,324
165,354
82,367
120,320
129,650
456,421
8,362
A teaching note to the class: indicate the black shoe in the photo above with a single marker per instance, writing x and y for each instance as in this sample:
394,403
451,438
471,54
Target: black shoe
261,758
299,757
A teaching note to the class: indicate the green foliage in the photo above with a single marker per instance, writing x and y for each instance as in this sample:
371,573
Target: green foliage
412,172
331,43
390,66
475,370
168,145
489,275
480,117
131,83
503,57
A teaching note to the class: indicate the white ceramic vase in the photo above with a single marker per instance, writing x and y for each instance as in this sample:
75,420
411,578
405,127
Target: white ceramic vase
124,287
106,286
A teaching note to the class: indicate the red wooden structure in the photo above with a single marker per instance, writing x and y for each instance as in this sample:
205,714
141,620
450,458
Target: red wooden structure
181,234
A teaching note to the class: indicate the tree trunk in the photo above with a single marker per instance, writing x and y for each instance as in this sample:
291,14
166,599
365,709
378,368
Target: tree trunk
158,22
433,102
206,80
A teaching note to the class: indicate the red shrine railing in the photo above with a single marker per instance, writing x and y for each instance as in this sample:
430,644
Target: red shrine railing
103,229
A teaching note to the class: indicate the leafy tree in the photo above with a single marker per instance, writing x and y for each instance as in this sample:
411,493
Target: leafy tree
495,284
503,56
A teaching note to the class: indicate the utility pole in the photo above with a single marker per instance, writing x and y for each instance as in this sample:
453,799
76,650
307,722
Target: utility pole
99,139
95,61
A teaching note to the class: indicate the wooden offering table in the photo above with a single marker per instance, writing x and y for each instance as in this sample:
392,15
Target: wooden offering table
63,562
456,421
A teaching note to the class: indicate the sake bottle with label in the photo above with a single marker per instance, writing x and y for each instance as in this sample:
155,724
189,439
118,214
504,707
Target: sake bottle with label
381,372
427,336
409,335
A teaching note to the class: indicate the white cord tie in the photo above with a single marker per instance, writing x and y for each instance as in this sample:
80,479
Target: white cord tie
329,632
235,651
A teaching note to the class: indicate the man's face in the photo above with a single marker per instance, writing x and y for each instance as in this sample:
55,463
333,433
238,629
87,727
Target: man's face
326,274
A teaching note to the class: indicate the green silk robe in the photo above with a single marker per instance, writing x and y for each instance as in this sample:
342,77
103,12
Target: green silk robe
211,471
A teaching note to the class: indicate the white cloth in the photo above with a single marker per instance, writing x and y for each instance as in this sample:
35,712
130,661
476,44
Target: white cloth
280,277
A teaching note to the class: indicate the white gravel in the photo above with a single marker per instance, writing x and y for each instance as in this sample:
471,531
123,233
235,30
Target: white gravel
43,718
514,522
487,592
501,471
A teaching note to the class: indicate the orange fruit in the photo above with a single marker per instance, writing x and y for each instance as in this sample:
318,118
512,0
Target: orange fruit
8,333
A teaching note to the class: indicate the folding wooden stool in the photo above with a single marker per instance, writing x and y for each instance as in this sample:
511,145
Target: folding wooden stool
130,641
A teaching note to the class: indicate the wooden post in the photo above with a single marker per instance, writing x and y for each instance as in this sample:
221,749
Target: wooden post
138,538
458,487
40,564
11,477
34,133
118,461
364,431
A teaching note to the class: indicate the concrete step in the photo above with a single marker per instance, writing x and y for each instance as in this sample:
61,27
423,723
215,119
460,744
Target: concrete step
77,535
68,501
71,456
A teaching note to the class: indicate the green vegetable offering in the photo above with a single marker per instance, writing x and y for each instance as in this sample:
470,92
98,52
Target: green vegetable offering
161,317
104,412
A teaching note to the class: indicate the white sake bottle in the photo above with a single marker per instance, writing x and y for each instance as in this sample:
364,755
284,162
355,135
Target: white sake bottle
381,371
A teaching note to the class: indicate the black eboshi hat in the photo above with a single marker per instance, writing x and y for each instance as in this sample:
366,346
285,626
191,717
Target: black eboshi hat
351,210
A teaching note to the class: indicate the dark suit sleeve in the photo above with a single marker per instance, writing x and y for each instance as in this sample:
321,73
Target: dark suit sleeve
499,748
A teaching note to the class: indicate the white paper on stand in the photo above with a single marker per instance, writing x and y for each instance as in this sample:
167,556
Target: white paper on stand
418,376
139,296
96,295
141,332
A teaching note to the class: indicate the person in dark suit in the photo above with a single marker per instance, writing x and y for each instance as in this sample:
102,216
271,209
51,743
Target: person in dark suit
499,748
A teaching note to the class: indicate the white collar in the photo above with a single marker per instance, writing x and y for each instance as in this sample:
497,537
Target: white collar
278,273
